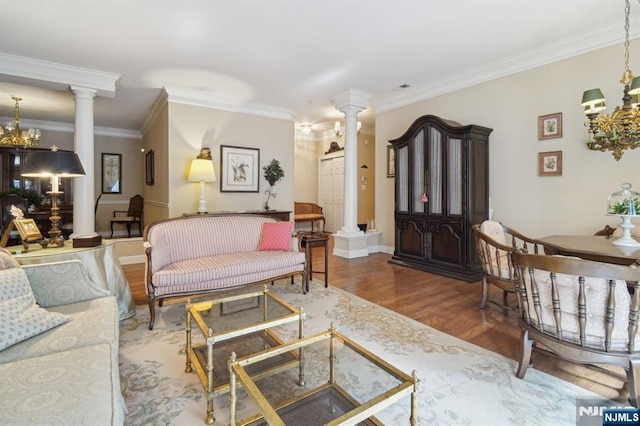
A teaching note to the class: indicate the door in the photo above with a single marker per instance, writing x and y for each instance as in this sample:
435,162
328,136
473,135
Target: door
331,192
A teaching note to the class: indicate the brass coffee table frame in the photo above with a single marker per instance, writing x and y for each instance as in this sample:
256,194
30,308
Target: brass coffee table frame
357,412
201,357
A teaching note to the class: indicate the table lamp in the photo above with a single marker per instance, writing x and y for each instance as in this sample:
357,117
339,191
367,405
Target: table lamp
54,164
201,170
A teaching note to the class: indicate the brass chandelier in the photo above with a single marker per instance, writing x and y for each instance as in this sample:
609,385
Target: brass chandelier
12,134
620,130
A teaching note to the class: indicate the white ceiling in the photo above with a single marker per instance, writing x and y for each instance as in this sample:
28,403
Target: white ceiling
291,55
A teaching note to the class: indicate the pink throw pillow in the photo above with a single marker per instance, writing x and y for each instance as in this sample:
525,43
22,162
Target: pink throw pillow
276,236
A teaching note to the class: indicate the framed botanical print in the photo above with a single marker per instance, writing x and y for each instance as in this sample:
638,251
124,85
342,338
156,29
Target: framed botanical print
550,126
239,169
111,173
550,163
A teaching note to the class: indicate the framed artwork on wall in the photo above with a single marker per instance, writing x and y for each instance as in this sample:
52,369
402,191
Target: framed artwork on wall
148,167
550,163
550,126
239,169
391,162
111,173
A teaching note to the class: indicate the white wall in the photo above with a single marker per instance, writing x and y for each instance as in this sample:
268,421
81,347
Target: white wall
574,203
194,127
305,177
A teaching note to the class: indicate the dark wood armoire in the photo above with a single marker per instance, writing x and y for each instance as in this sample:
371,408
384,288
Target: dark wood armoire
441,189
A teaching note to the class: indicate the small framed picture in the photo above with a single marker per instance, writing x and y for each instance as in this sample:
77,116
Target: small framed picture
550,126
111,173
550,163
27,229
149,165
391,161
239,169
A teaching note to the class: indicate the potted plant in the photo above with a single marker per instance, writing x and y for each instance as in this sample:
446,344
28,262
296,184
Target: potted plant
272,173
34,197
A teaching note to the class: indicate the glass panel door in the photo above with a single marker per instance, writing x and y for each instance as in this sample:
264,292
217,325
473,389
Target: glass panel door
435,171
418,172
454,176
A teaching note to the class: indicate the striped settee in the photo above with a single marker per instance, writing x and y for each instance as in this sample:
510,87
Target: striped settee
201,254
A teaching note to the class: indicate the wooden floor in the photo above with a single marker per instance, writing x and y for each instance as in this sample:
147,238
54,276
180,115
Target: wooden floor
443,303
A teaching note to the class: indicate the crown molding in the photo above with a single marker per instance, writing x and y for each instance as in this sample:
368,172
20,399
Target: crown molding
227,104
157,106
56,126
105,83
592,40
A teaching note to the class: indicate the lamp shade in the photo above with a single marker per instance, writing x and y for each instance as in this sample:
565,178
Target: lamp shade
201,170
49,163
634,89
592,97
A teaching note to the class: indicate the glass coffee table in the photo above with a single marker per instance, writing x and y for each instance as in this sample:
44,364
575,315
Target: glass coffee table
339,383
238,322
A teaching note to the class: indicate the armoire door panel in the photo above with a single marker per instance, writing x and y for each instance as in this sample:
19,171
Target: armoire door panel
411,239
447,243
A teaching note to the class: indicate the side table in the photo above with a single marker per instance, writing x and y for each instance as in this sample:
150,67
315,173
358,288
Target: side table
310,240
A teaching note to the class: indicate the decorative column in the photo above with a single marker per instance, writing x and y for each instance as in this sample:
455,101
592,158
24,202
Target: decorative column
350,242
83,187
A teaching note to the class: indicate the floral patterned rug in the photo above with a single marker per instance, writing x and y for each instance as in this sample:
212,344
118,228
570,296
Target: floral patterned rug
460,383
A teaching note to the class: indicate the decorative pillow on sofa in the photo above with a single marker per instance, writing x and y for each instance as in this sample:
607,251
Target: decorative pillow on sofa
276,236
20,316
7,260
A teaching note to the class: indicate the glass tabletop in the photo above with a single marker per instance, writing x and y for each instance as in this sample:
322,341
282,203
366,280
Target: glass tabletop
240,312
337,381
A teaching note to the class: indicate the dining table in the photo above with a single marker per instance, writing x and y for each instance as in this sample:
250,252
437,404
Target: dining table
599,248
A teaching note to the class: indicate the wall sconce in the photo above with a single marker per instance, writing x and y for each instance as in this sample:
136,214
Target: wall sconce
54,164
340,131
201,170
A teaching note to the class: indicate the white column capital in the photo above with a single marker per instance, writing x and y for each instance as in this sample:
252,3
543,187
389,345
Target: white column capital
352,100
85,93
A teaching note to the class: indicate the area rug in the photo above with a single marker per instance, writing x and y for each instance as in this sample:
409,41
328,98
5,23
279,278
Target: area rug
460,383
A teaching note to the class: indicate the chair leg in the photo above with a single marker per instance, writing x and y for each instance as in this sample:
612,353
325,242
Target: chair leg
152,311
485,293
111,236
140,228
129,230
525,354
632,376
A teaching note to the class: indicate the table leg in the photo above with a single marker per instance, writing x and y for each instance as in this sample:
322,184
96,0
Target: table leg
188,368
326,264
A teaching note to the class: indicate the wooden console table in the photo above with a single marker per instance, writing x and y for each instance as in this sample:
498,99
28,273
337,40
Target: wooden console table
275,214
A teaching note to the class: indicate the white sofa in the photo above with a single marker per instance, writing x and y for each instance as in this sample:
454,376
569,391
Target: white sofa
68,374
200,254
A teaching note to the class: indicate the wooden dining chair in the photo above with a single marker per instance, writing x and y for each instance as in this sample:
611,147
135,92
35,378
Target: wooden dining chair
583,311
130,216
494,243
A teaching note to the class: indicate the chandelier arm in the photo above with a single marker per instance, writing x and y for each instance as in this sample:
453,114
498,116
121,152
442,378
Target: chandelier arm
620,130
15,136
